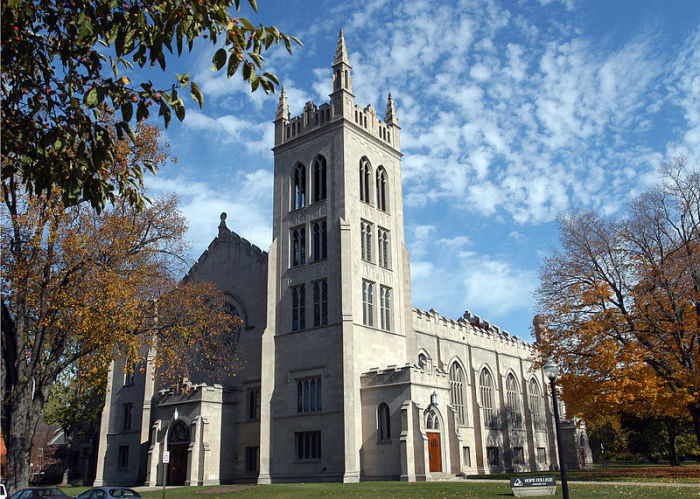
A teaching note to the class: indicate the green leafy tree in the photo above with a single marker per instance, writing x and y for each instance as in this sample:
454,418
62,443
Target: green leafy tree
60,64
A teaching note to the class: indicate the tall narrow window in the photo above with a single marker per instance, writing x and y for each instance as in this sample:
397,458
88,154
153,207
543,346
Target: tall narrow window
385,308
129,370
457,391
366,243
536,405
319,178
365,179
298,308
320,240
515,416
487,406
254,404
126,421
383,423
320,303
298,187
367,303
383,247
381,189
298,246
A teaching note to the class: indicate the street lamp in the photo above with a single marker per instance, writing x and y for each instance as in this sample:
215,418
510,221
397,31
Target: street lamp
434,398
551,370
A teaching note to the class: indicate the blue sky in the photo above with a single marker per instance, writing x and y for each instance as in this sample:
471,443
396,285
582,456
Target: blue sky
512,113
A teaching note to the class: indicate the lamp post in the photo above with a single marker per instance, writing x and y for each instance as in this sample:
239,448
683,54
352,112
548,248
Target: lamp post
551,370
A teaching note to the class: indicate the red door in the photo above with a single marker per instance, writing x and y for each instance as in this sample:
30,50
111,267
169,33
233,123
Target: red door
434,454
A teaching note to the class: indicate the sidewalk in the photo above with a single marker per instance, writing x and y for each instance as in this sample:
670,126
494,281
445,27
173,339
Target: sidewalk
586,482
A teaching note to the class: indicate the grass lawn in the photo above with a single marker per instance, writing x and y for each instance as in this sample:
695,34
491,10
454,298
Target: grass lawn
418,490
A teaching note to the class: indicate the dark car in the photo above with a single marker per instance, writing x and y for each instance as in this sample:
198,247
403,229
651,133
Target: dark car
107,492
39,492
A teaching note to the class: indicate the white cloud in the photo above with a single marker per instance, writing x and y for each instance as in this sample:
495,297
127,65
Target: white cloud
244,198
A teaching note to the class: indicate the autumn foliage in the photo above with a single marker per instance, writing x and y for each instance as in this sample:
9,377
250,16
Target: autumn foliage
623,301
81,287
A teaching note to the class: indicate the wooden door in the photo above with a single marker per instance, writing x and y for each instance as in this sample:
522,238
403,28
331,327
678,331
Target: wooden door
177,469
434,453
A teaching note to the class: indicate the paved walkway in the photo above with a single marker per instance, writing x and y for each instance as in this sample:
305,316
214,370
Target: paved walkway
580,482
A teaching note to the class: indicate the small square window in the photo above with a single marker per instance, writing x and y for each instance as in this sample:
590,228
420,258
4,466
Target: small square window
466,457
492,456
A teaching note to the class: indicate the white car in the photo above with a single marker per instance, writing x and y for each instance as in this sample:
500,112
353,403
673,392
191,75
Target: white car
3,491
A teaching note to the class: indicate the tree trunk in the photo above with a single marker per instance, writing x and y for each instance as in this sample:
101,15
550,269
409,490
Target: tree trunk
694,409
672,454
23,415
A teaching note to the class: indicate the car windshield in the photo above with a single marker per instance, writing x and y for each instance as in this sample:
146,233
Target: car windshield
123,493
50,492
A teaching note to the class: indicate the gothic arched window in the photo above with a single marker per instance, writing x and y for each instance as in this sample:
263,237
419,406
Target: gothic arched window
431,420
515,416
487,406
383,423
536,405
457,391
367,303
382,201
320,241
365,182
319,179
422,360
298,246
298,187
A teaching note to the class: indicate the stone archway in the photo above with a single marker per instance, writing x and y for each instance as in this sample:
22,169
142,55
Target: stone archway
178,446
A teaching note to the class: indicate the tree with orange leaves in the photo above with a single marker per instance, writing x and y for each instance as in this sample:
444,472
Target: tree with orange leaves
623,302
81,287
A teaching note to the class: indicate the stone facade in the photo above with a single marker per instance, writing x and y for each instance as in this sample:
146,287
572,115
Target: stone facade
342,379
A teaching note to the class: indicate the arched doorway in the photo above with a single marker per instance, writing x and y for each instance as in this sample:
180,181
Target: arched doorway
178,444
432,427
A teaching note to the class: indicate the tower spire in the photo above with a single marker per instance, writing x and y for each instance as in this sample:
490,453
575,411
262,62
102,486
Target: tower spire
392,118
341,51
282,106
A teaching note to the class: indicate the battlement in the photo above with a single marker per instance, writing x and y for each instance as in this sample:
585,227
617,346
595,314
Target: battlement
342,106
468,325
313,118
367,118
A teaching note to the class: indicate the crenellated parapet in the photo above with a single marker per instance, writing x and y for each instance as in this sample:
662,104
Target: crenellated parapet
342,106
313,118
466,329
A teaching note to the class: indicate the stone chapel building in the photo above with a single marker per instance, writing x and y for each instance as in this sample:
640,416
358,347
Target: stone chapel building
341,379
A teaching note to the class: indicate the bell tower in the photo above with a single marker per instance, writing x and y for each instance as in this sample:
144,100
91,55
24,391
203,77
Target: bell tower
338,280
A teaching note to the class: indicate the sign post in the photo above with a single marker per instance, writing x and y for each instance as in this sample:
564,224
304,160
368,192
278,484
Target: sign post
166,461
533,486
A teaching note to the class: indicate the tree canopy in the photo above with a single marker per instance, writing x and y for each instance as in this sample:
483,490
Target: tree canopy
61,63
623,301
81,287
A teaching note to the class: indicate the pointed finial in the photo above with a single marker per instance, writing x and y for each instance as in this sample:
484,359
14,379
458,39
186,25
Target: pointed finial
341,51
223,230
282,106
392,118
